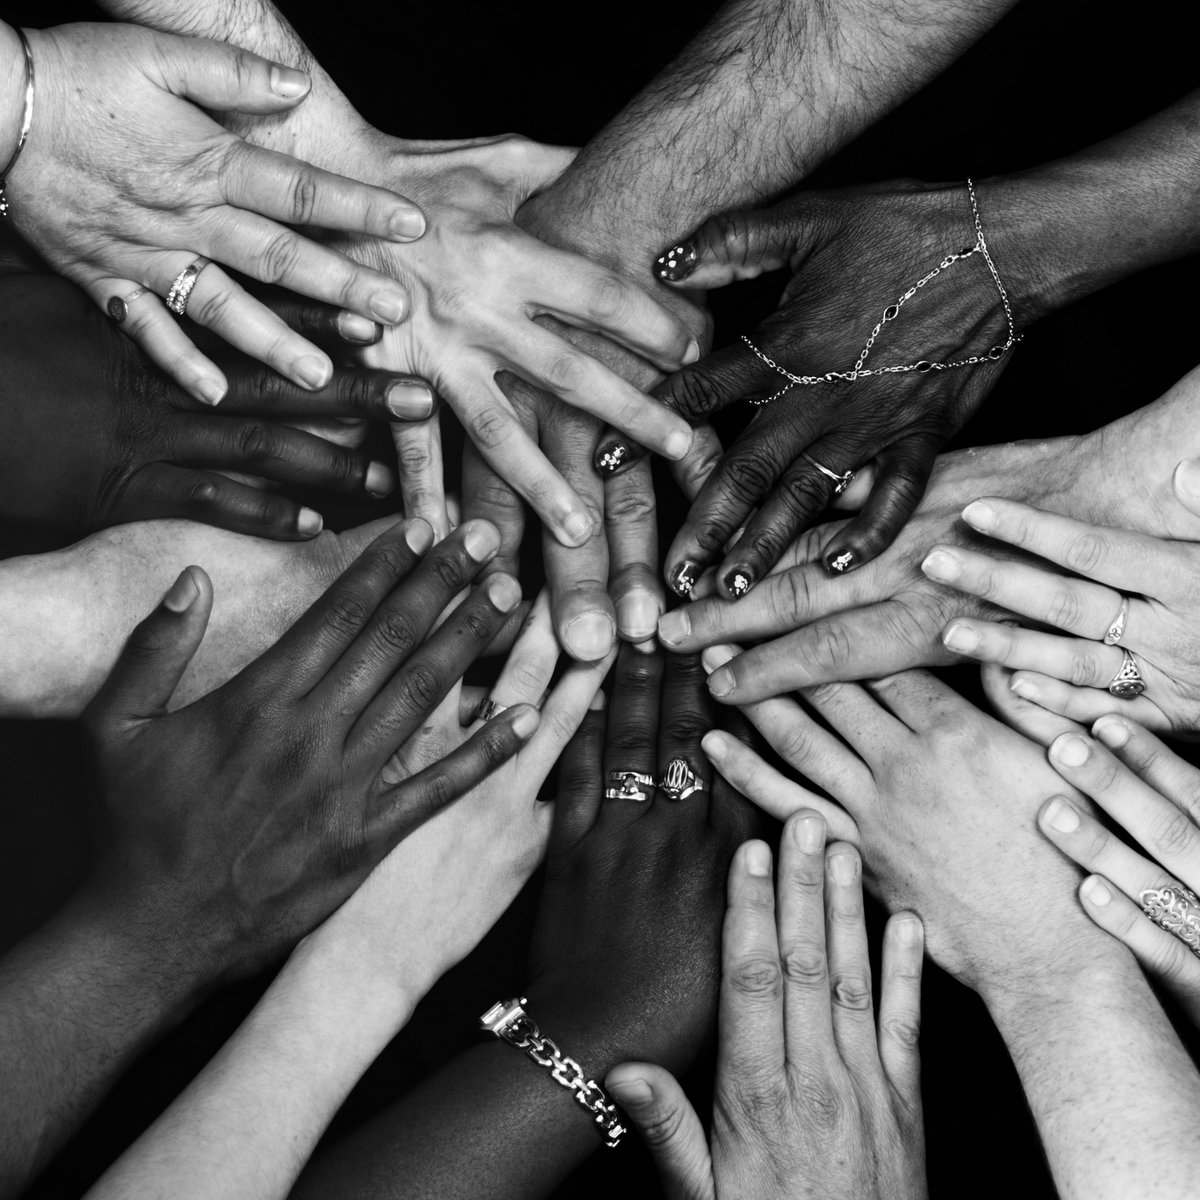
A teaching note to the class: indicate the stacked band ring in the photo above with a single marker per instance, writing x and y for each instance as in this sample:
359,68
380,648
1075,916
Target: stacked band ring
181,289
629,785
489,709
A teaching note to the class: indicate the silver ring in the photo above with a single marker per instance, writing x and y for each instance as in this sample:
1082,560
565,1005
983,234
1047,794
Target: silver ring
634,785
181,288
1127,682
1116,630
118,306
488,709
679,781
840,482
1175,909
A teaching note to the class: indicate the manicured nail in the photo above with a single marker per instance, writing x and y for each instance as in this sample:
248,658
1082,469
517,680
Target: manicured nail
961,638
379,481
389,307
637,615
418,537
715,657
525,721
844,868
684,577
691,354
1096,890
288,83
504,592
1025,688
908,931
610,457
722,682
839,564
1071,750
210,389
942,566
409,400
309,523
980,515
480,540
1187,478
673,627
676,264
1061,815
578,527
313,372
678,444
809,833
407,224
359,330
738,582
713,744
758,859
590,636
632,1091
183,593
1112,732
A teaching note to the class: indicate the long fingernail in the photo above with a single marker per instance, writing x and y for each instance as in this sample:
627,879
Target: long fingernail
673,627
1096,890
379,481
677,445
359,330
211,389
738,581
722,682
389,307
288,83
980,515
1187,478
480,540
840,563
942,566
676,264
313,372
637,615
716,657
578,527
1061,816
1112,731
1071,750
407,224
960,638
183,593
309,523
809,832
409,400
684,577
589,636
504,592
758,859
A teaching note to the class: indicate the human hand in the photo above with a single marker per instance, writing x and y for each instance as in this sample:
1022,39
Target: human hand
810,1099
246,817
118,195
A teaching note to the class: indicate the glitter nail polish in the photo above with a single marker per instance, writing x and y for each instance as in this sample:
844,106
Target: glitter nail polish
684,578
610,458
841,564
738,582
677,263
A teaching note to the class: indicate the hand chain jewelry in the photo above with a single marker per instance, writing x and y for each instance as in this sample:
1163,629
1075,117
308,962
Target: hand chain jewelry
26,122
892,311
509,1021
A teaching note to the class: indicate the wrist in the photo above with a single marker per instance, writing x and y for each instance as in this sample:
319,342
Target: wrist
12,92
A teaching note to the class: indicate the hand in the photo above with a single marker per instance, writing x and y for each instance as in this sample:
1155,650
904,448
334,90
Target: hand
125,180
96,437
810,1100
1150,793
244,819
1154,577
855,253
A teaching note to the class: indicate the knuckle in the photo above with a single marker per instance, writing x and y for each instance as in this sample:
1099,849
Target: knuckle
303,197
203,494
905,1030
609,300
1175,835
793,597
213,308
345,614
805,966
757,978
821,1100
1079,666
629,505
279,256
476,626
661,1127
256,443
804,493
697,392
564,372
395,633
1085,553
852,992
683,727
748,475
490,426
449,572
494,747
1062,608
831,646
421,688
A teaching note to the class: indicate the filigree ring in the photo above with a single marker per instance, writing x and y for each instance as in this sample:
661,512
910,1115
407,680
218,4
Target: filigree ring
679,781
1177,910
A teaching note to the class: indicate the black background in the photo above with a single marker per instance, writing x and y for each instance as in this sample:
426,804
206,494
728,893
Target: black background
1054,76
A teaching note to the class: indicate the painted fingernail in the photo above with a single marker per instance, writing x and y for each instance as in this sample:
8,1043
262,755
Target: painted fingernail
578,527
684,577
1061,815
389,307
961,638
504,592
713,744
909,931
979,515
1071,750
379,481
409,400
631,1091
288,83
678,444
610,457
418,537
691,354
313,372
309,523
525,721
210,389
676,264
839,564
407,224
590,636
758,859
715,657
359,330
809,833
1187,478
1096,890
942,566
480,540
182,594
673,627
738,582
1112,732
637,615
844,868
1025,688
722,682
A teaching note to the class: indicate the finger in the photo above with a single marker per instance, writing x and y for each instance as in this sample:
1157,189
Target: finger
724,377
486,495
919,700
849,963
693,471
580,785
361,392
422,473
668,1124
158,651
224,77
686,715
1038,724
564,709
633,724
1085,705
529,668
631,527
325,325
1154,763
900,1006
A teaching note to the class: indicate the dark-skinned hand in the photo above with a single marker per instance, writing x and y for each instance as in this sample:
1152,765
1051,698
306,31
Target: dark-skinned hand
244,819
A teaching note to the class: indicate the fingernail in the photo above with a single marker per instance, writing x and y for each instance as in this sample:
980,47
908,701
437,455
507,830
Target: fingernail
1025,688
758,859
288,83
578,527
941,566
504,592
684,577
738,582
313,372
525,721
632,1091
1112,731
809,833
1096,890
637,615
389,307
409,400
722,682
182,594
979,515
676,264
844,868
1061,816
610,457
379,481
480,540
309,522
407,224
961,638
715,657
359,330
908,931
589,636
210,389
418,537
597,702
691,354
839,564
1071,750
677,445
1187,478
713,744
673,627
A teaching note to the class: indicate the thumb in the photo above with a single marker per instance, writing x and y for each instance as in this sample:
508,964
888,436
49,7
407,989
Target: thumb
736,245
669,1126
1186,482
157,653
229,79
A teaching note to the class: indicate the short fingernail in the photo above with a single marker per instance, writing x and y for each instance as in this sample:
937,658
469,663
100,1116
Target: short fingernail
637,615
809,832
738,581
961,638
691,354
1025,688
182,594
418,537
673,627
409,400
210,389
1061,815
677,263
713,744
407,224
360,330
589,636
597,702
1112,731
758,859
942,566
684,577
721,683
1187,478
908,931
632,1091
1096,890
678,444
309,522
313,372
379,481
611,457
844,868
716,657
288,83
389,307
839,562
979,515
578,528
525,722
1071,750
480,540
504,592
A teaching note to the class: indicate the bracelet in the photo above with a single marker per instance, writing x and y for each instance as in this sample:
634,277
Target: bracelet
509,1021
26,122
859,371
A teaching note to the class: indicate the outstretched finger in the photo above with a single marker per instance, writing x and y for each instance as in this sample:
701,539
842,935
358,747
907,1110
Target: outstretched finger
900,1006
1087,704
1155,763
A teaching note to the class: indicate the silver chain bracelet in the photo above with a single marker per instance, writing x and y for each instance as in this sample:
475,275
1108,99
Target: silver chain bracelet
860,371
509,1021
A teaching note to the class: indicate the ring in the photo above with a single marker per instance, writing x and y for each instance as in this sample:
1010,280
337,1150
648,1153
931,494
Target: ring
1127,682
181,289
679,781
840,482
629,789
1177,910
1116,631
118,306
489,709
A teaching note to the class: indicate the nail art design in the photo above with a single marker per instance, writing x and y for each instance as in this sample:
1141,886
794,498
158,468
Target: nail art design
677,263
842,563
684,578
611,457
738,582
